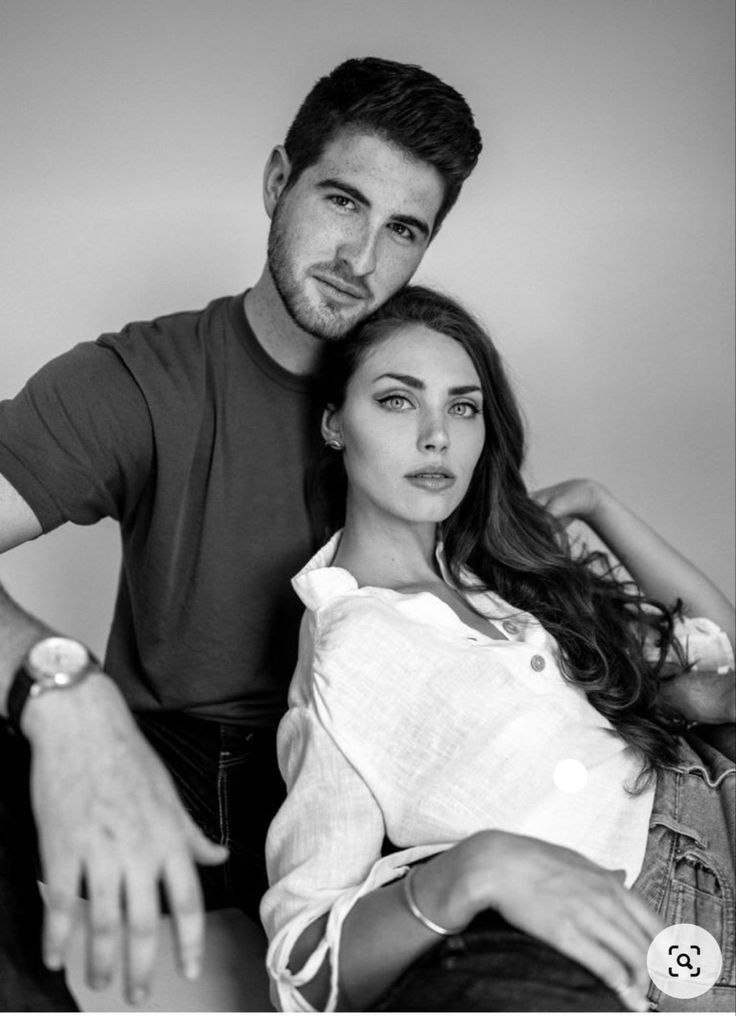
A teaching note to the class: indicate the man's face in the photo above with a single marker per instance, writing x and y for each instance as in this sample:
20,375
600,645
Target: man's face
351,231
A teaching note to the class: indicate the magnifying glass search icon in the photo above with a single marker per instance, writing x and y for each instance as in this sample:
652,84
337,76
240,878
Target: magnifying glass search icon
686,958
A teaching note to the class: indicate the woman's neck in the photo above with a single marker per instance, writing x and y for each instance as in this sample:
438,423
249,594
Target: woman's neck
386,553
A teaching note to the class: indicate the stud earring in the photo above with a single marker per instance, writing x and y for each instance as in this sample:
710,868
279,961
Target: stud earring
335,443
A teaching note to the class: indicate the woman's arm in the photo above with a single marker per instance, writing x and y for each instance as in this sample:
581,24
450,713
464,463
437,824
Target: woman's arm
550,892
662,573
323,851
659,570
333,900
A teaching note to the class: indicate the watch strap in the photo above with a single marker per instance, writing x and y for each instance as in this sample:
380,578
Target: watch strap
18,693
22,687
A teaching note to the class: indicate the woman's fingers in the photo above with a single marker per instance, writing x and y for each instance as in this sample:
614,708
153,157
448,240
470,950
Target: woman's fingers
623,939
601,959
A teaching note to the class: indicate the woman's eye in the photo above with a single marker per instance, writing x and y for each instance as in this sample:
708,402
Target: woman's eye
395,402
465,409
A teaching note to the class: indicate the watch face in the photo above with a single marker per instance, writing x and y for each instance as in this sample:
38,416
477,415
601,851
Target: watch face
61,660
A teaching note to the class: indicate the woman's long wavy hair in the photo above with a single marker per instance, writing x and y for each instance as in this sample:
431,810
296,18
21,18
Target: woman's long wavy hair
514,546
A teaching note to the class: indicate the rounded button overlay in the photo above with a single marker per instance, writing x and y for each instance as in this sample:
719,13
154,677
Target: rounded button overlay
684,961
570,775
538,662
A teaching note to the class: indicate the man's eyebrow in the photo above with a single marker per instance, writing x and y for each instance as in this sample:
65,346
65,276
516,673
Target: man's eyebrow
333,183
409,220
415,382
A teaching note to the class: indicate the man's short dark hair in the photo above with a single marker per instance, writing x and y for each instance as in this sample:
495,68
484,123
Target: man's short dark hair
400,102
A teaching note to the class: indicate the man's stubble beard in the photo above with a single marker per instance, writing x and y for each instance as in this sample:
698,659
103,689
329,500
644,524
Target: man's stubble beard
320,321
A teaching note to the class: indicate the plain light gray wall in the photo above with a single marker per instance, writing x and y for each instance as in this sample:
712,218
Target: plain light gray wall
595,238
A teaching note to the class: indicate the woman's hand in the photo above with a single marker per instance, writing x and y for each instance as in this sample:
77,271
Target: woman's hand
572,499
553,894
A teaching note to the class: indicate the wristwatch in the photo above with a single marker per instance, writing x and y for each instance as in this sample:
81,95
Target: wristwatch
52,663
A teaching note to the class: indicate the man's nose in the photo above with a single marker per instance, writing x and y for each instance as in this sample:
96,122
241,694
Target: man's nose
359,251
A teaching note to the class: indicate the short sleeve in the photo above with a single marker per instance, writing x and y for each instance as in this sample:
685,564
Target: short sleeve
77,442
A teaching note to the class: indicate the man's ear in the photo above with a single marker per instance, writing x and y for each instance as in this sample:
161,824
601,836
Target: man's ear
275,178
331,429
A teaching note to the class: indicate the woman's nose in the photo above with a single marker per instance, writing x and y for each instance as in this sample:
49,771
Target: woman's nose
433,436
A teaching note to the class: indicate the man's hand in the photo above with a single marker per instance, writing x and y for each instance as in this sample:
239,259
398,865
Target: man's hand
108,816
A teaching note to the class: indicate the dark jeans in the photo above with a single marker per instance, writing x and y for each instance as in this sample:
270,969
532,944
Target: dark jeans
494,967
228,778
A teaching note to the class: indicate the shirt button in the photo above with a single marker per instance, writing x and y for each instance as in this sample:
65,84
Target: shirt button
510,627
538,663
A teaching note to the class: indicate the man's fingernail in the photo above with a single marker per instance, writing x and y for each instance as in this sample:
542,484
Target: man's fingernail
191,969
52,961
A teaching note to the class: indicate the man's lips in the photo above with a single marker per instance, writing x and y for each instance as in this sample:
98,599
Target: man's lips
343,287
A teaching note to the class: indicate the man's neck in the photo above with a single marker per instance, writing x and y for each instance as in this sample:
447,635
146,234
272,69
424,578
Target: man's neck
285,342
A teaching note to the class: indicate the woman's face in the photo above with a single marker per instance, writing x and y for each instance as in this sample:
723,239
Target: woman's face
412,427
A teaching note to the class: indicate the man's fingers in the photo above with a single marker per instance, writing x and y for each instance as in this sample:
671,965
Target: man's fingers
103,931
141,940
181,883
62,900
203,850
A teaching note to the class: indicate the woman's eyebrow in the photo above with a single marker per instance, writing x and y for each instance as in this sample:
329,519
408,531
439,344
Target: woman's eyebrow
405,379
415,382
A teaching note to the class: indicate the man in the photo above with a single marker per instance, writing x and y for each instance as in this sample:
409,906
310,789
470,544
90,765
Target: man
193,432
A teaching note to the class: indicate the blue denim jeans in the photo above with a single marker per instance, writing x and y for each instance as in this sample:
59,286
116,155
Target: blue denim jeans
228,778
687,876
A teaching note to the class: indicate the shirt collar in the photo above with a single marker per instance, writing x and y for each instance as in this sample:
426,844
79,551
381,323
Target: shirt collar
320,581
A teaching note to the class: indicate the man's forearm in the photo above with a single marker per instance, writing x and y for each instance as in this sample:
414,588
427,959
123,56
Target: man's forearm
18,632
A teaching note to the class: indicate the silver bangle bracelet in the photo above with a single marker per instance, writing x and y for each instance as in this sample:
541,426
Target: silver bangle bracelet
416,912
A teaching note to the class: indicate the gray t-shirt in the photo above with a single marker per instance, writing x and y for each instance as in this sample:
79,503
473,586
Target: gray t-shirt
185,431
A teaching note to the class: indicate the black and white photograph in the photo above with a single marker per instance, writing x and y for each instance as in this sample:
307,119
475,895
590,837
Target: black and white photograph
367,506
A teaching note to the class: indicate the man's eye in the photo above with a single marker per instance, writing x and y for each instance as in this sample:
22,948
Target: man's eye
342,202
402,231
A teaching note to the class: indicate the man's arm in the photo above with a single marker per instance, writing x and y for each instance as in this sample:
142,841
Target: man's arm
105,807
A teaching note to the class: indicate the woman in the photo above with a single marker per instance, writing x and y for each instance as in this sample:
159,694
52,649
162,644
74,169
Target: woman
456,662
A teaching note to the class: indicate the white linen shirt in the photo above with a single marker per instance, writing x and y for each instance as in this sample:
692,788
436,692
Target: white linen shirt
405,722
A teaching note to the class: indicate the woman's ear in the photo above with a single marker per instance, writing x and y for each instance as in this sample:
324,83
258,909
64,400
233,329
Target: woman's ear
275,178
331,429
